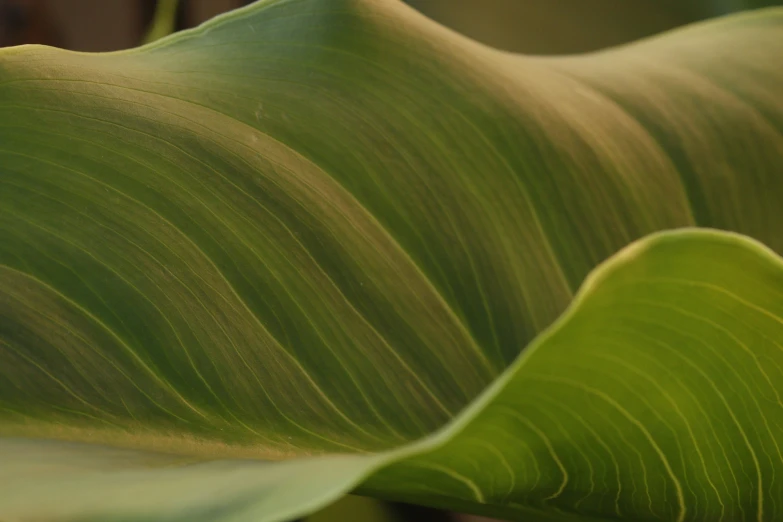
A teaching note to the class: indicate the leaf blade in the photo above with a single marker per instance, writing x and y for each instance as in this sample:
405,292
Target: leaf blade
512,419
298,257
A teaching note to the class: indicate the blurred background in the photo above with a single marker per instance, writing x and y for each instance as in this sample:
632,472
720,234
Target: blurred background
531,26
528,26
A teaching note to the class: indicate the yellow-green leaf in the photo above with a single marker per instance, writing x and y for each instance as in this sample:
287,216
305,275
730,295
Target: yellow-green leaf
325,226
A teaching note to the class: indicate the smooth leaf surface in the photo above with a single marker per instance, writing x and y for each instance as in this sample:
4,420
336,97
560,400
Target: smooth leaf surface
326,225
655,397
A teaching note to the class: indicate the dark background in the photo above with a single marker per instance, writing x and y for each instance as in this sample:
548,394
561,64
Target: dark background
531,26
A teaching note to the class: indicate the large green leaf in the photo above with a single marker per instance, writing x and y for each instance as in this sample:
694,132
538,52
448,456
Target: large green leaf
326,225
654,397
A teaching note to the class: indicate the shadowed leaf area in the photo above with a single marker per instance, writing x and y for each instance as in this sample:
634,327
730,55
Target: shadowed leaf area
328,228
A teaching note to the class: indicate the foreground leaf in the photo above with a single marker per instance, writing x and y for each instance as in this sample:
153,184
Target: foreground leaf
325,226
655,397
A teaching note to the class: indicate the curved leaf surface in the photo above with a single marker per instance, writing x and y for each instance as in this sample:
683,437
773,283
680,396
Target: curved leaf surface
326,225
654,397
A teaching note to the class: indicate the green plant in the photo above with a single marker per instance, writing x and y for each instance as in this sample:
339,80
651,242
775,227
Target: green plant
326,229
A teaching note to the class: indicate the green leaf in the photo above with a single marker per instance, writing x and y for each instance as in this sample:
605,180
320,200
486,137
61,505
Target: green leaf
353,508
654,397
318,226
